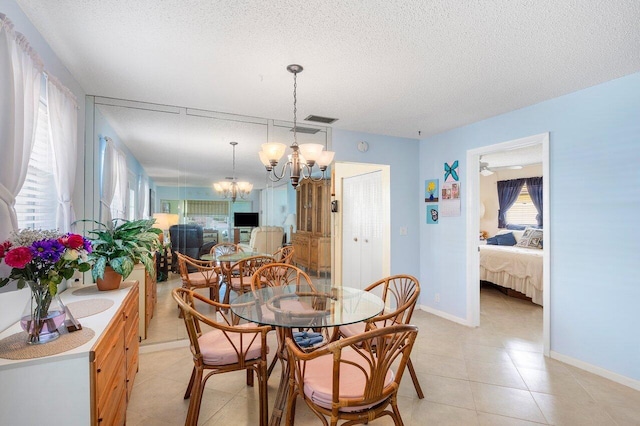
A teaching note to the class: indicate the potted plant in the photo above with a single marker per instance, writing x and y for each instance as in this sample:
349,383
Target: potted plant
118,246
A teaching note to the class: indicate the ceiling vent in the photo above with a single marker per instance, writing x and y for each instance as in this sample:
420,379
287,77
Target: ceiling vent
308,130
321,119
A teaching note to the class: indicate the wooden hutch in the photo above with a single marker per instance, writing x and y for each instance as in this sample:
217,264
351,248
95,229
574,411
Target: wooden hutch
312,240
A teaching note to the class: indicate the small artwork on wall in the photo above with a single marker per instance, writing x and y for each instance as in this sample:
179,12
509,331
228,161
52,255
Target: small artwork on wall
450,199
432,214
451,172
431,191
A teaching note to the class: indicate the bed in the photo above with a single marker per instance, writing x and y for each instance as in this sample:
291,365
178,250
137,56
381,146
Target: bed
518,267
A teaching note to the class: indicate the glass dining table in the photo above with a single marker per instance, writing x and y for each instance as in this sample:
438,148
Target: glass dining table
303,307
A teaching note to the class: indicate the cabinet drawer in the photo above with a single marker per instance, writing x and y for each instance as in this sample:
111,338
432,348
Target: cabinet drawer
108,355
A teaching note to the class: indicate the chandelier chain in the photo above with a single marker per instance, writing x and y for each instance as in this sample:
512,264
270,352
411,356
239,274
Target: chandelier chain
295,107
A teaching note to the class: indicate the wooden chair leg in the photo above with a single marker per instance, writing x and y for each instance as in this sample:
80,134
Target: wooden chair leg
187,394
249,377
414,378
272,366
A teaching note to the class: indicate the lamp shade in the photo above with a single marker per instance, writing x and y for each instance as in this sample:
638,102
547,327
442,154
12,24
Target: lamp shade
165,220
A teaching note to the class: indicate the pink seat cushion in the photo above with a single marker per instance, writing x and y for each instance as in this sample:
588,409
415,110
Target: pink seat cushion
217,350
318,380
197,279
359,327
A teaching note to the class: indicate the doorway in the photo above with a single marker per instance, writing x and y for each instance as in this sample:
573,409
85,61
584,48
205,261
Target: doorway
473,228
378,208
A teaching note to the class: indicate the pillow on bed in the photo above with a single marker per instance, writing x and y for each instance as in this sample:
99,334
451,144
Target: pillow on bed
532,238
502,240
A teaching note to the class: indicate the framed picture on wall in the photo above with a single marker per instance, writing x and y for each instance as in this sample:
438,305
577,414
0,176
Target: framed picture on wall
152,202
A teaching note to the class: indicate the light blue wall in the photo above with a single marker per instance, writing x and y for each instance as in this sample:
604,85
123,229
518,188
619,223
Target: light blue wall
401,155
594,208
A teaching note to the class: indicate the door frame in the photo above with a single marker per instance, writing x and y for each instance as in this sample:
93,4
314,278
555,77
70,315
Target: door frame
472,200
340,170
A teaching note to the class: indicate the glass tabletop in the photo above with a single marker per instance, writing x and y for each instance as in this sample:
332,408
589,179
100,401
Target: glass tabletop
232,257
306,306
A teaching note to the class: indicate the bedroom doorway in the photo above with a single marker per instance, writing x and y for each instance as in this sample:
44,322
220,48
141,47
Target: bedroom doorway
473,227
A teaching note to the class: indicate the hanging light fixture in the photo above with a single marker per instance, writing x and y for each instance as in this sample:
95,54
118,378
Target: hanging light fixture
303,157
230,188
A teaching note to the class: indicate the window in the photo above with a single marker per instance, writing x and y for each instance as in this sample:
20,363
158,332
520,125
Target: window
36,204
523,212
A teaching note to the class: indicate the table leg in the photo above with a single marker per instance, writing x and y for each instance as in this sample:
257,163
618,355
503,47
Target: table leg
283,388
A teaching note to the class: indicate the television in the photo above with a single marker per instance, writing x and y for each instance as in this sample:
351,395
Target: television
241,220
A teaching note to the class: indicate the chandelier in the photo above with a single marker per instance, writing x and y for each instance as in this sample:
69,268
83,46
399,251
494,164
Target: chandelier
302,158
230,188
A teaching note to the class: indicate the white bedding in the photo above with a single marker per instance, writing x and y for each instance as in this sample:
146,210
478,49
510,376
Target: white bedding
517,268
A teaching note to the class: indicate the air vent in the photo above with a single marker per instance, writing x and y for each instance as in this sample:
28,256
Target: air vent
321,119
308,130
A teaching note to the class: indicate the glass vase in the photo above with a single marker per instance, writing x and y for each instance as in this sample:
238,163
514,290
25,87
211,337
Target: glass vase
43,315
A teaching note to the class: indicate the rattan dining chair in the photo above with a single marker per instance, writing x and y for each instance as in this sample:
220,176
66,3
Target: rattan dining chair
353,379
227,346
400,294
199,274
277,275
284,254
225,248
238,275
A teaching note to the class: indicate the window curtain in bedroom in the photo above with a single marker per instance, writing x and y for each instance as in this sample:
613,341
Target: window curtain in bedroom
534,186
63,119
508,192
108,180
20,86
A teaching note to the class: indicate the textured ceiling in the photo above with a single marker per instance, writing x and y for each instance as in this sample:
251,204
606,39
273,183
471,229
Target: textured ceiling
392,67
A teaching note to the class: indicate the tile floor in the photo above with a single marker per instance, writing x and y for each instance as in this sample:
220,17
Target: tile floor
493,375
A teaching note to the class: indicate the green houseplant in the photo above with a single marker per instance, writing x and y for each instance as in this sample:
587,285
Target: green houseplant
120,244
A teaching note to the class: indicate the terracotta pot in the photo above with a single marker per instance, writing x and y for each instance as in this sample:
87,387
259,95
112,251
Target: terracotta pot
110,281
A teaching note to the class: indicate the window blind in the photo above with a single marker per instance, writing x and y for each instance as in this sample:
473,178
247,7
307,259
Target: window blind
523,212
207,208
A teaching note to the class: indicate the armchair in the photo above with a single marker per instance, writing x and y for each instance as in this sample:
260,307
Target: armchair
265,239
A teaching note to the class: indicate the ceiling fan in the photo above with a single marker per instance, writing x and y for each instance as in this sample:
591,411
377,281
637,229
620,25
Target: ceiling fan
486,170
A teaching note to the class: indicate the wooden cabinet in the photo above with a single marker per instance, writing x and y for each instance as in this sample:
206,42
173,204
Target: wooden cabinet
72,376
114,364
147,298
312,240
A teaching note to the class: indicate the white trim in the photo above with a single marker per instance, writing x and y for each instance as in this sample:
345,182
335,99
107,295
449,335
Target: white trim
444,315
164,346
618,378
473,228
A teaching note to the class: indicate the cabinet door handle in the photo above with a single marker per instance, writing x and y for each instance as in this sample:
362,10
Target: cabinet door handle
355,239
366,241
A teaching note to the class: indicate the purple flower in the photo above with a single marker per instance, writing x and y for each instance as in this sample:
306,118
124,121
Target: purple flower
47,250
87,245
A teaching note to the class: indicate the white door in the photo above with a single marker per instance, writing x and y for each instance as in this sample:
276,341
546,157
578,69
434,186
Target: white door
362,229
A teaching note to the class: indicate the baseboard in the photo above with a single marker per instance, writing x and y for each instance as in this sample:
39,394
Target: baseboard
156,347
444,315
618,378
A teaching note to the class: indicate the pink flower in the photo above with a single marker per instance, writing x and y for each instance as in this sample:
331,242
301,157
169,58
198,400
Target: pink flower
4,247
18,257
72,241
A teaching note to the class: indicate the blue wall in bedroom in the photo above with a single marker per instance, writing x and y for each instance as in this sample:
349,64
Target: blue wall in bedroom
595,204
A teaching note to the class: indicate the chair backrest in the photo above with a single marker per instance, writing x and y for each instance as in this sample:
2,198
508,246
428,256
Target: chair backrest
186,239
284,254
400,294
266,239
279,274
205,273
225,248
363,362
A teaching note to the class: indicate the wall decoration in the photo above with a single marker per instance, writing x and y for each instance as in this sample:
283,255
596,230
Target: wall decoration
432,214
431,191
451,172
450,199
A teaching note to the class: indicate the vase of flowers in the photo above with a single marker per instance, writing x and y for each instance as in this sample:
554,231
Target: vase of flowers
41,260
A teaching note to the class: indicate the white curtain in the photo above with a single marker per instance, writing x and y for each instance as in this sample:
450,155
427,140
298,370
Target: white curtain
63,120
143,198
119,202
109,179
20,80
